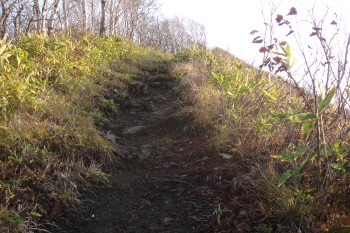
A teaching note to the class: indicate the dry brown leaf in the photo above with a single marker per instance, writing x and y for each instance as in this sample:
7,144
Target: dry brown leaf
263,50
279,18
283,43
292,11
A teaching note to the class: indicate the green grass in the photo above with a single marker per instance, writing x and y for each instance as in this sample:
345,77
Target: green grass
261,120
55,92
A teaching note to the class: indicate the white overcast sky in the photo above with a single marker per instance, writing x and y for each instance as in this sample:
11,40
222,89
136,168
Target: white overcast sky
228,22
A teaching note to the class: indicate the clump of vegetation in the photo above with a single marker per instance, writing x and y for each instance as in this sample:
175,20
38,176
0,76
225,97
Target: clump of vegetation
286,173
230,92
54,89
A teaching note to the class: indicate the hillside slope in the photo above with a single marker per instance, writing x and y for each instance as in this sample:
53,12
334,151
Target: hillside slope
289,161
101,135
56,93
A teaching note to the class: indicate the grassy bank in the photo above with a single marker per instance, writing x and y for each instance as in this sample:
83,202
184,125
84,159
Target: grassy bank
278,174
55,93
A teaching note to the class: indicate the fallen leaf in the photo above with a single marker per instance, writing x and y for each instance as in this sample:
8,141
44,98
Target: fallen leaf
226,156
56,210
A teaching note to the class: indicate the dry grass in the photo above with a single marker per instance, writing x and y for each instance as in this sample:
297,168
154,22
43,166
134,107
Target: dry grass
50,143
253,126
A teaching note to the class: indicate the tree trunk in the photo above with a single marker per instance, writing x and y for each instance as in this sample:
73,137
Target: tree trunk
84,16
103,17
112,10
65,15
37,13
116,16
18,27
30,23
5,13
92,16
43,17
52,18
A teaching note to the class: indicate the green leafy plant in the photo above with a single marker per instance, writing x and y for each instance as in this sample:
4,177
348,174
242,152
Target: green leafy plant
52,101
320,151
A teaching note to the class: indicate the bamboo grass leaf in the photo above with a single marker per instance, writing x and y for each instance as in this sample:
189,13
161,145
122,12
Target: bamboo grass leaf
287,175
271,96
325,102
303,117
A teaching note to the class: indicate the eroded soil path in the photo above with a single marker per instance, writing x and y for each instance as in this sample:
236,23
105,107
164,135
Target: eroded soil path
159,185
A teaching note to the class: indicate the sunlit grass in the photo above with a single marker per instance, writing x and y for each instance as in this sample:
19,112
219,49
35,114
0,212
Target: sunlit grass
53,93
257,117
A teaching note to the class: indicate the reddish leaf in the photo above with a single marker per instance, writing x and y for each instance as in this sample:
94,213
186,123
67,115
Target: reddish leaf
279,18
292,11
277,59
263,50
333,23
283,43
253,32
314,34
56,210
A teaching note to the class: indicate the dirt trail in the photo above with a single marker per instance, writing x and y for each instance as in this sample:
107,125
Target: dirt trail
158,187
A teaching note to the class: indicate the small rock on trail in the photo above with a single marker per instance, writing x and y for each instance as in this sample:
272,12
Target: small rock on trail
134,130
146,151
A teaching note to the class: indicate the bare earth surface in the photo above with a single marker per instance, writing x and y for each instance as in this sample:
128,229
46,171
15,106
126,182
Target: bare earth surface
161,184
